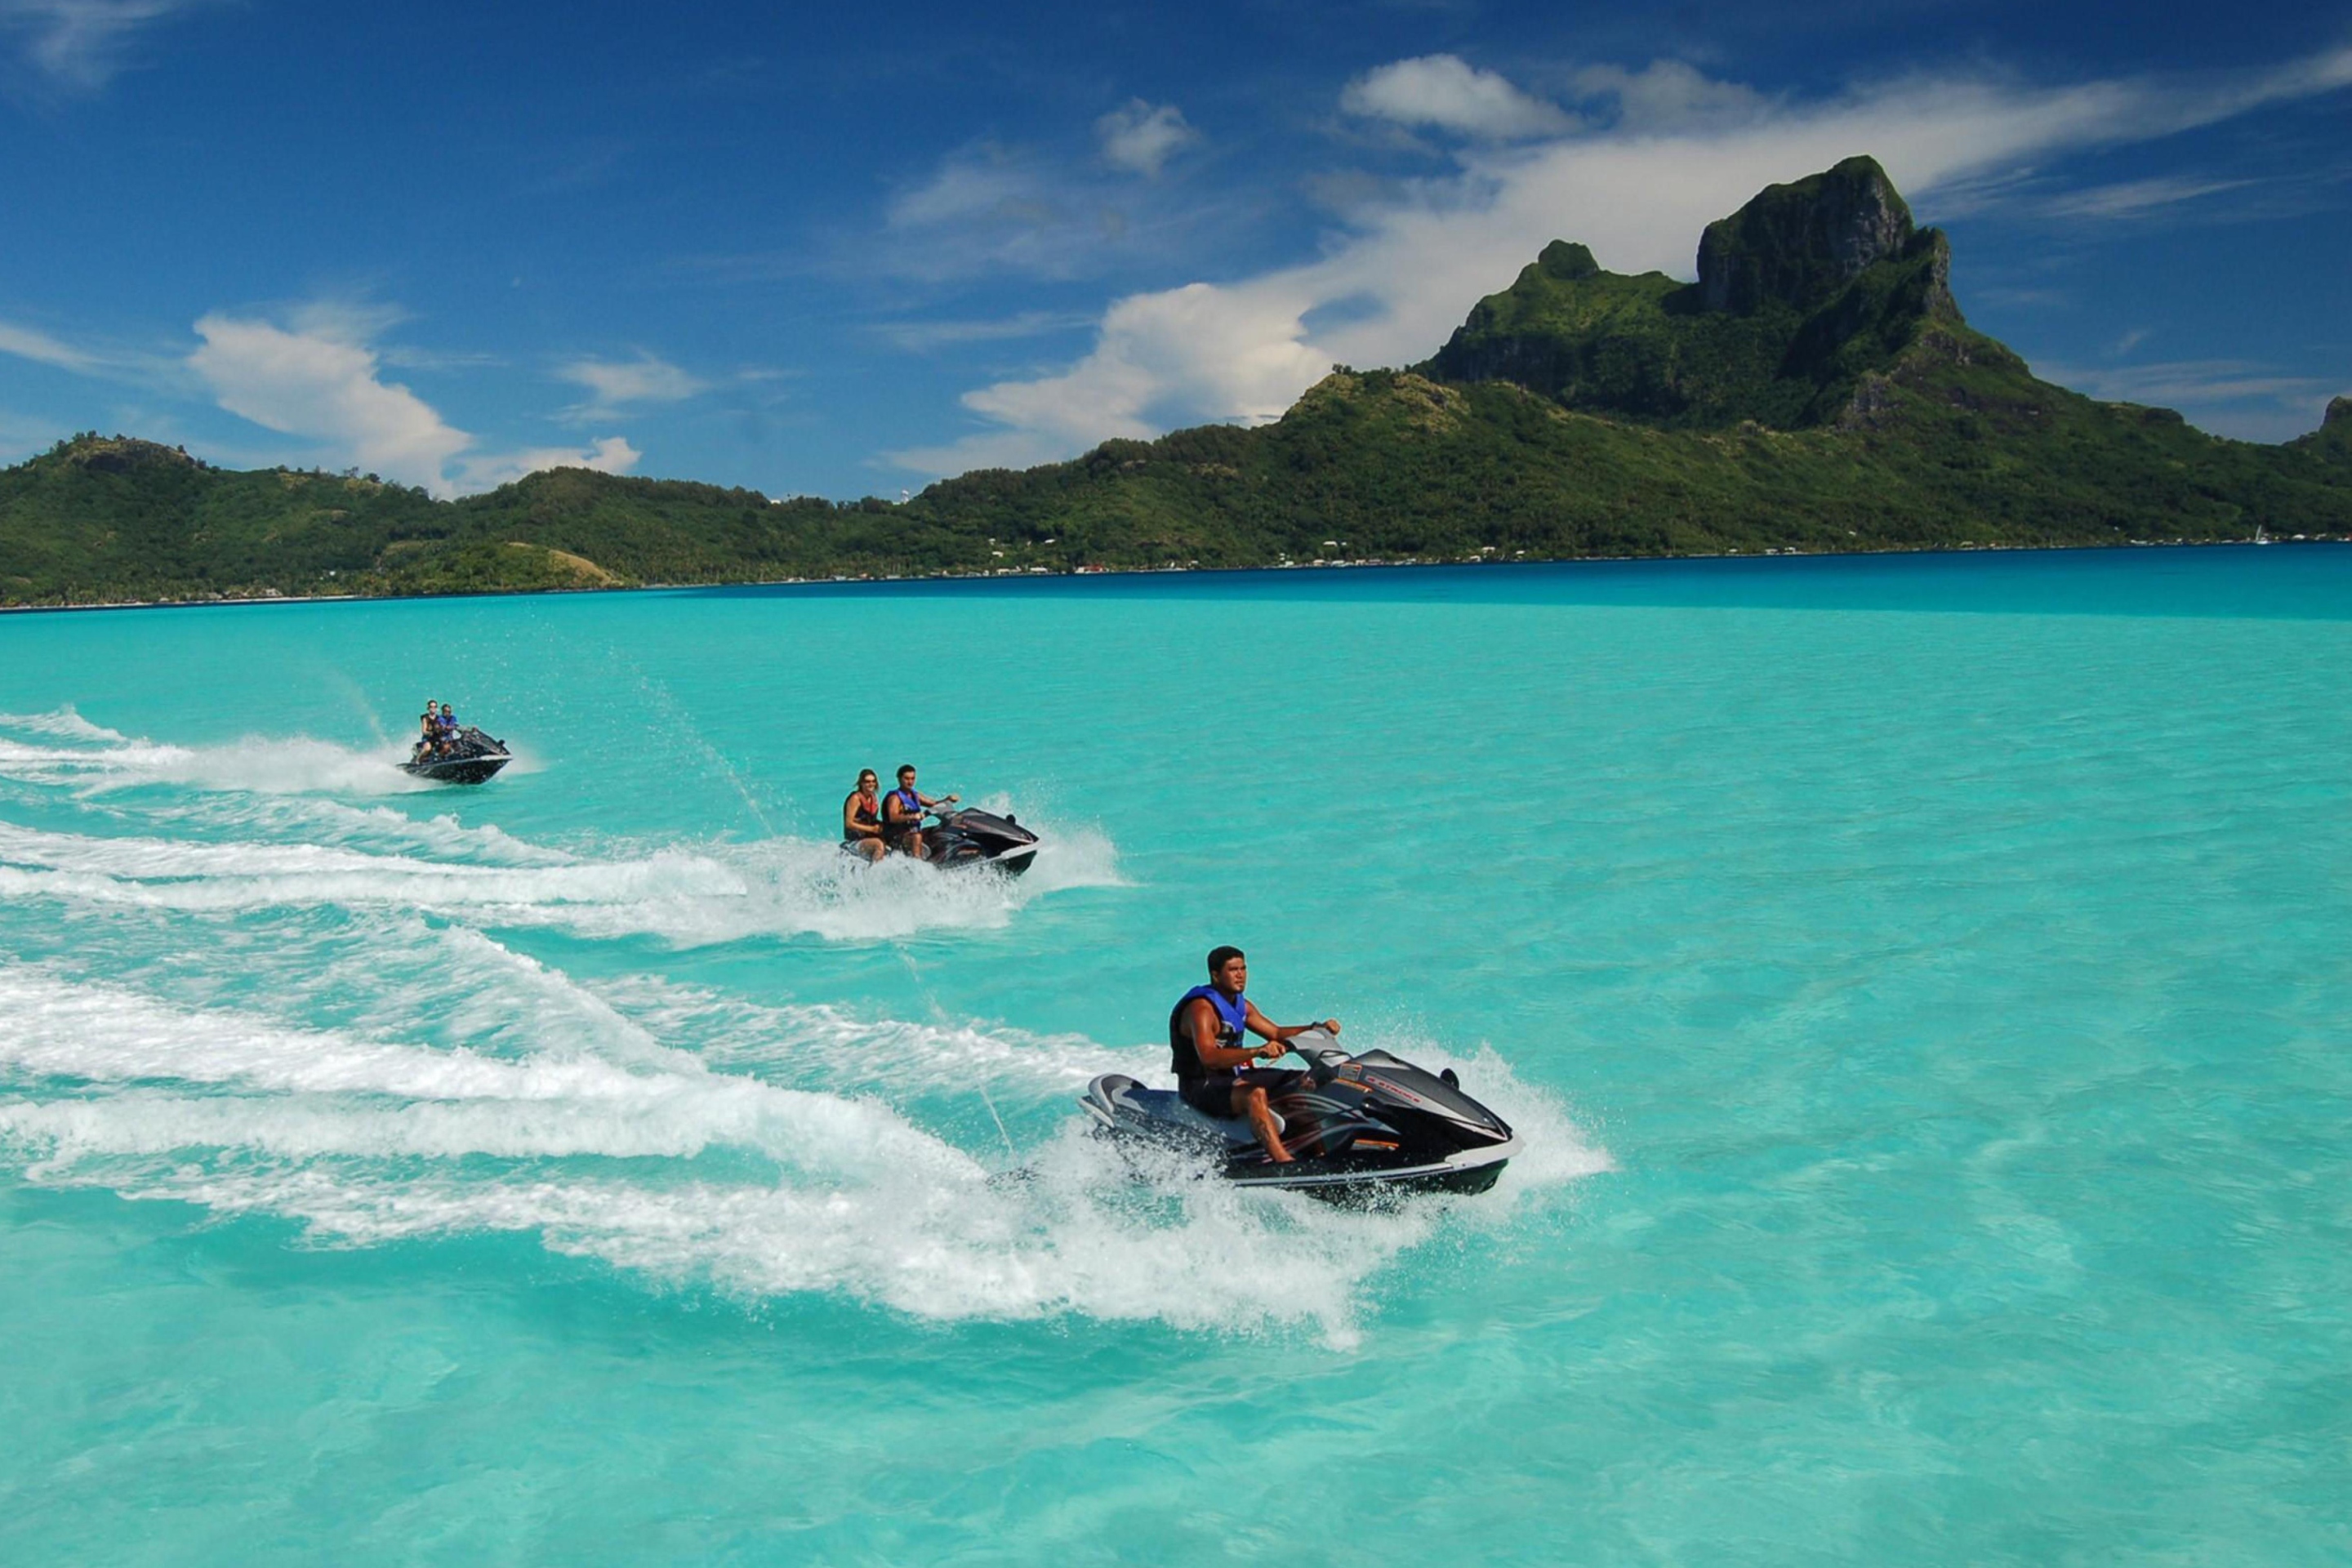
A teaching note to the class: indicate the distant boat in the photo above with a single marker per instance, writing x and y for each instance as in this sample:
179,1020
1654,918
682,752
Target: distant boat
2261,538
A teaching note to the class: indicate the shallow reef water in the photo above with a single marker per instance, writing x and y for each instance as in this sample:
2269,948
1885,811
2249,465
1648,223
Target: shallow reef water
1920,984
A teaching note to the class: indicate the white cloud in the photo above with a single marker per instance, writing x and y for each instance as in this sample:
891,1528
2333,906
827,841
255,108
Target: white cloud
1670,96
608,455
319,379
82,44
24,342
322,385
1159,359
1638,192
921,337
1141,137
613,385
2131,198
1445,92
980,182
988,207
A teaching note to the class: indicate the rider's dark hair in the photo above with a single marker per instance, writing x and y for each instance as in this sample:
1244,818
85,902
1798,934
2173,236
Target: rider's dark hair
1220,956
903,769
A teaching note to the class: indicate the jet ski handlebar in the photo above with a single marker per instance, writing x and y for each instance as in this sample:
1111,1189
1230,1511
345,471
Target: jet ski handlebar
1321,1050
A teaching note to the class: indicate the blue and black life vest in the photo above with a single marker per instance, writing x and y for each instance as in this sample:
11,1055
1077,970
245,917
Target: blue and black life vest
1232,1015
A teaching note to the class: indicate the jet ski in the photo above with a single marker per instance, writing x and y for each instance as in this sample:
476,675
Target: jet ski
468,758
969,837
1358,1128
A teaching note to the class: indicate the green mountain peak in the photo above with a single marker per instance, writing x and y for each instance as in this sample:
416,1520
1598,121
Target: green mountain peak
1803,294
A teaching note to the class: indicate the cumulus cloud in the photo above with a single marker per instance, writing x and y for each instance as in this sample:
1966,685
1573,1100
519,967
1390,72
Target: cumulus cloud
1638,192
1668,95
612,385
319,385
1141,137
83,44
1444,92
316,378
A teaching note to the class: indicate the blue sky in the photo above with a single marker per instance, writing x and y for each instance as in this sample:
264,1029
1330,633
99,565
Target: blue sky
793,248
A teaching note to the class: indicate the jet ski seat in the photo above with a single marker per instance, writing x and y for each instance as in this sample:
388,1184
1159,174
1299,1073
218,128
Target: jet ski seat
1168,1107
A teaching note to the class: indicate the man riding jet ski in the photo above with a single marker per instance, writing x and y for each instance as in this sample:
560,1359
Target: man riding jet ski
874,826
1347,1127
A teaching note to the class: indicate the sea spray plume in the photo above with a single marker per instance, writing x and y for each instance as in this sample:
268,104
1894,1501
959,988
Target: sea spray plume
61,721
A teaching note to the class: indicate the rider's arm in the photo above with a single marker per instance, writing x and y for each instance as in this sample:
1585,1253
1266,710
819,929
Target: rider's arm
1204,1041
1266,1027
853,829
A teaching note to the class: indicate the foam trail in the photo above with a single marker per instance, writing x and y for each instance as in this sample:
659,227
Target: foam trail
313,819
255,764
100,1034
370,1141
686,896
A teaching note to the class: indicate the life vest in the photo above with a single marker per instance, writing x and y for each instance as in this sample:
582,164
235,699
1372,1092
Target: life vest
910,806
863,815
1233,1016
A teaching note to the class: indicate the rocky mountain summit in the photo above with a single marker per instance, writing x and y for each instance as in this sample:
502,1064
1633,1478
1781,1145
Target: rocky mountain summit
1803,294
1799,245
122,454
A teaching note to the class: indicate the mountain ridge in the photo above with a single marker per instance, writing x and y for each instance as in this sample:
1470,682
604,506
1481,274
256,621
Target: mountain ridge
1816,387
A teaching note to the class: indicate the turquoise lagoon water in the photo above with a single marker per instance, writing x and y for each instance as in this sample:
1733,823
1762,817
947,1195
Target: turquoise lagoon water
1922,985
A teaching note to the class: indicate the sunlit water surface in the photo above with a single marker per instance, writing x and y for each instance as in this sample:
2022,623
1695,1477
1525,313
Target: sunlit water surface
1922,987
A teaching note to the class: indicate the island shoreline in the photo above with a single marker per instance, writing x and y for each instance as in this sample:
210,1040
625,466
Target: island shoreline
249,601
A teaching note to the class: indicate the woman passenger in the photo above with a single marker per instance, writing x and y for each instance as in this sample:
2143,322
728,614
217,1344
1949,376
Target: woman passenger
861,819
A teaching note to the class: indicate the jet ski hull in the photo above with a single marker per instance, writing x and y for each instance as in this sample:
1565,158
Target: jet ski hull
468,759
457,770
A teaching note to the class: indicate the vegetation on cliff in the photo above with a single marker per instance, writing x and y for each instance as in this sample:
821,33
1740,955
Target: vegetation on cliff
1817,388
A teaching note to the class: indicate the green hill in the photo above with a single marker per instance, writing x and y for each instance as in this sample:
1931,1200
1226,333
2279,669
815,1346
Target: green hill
1817,388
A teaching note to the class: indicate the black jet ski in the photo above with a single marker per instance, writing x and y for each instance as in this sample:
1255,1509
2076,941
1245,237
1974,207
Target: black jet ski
468,758
1358,1128
969,837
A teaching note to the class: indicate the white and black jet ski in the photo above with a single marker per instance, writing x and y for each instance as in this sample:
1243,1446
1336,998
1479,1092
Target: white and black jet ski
966,836
1357,1127
468,758
969,837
